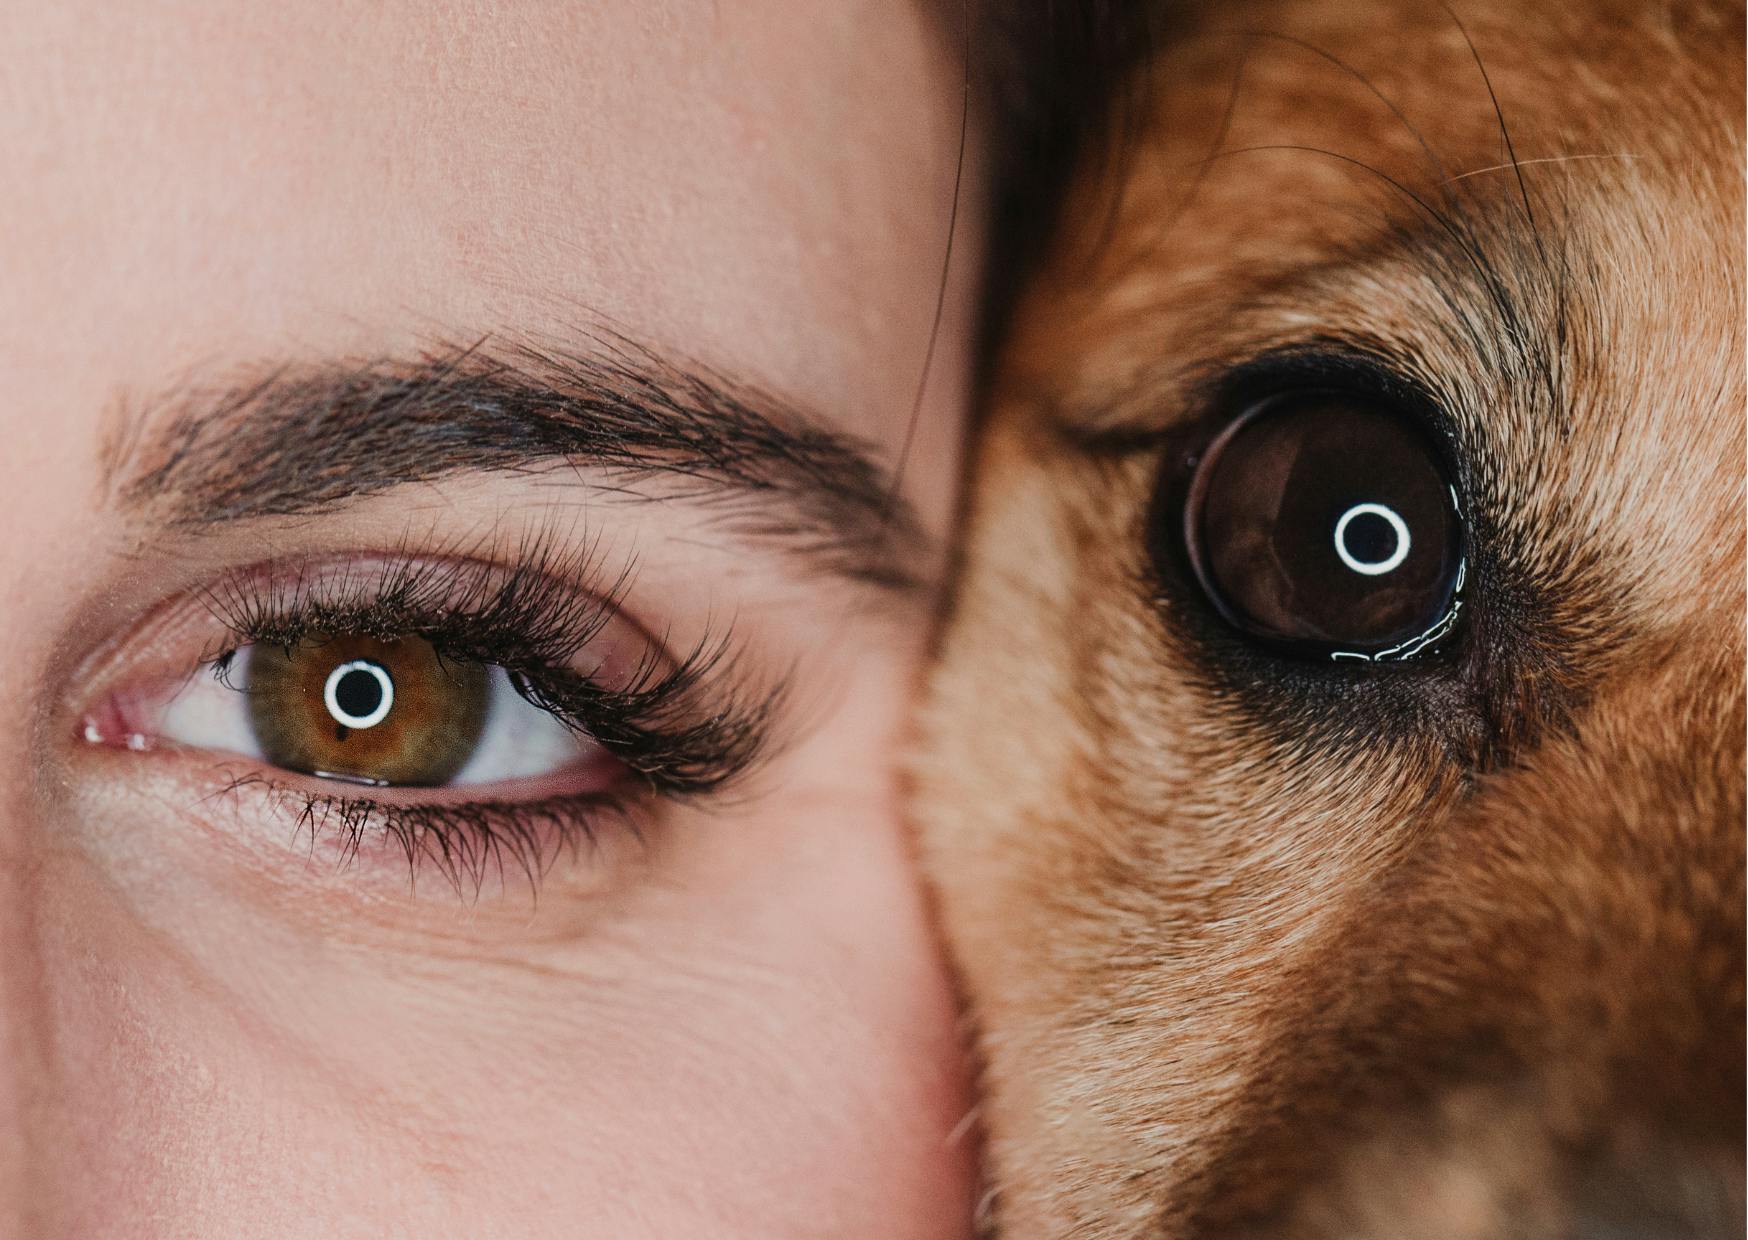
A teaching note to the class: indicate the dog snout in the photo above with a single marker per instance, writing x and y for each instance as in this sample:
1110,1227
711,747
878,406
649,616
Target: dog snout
1662,1187
1541,1024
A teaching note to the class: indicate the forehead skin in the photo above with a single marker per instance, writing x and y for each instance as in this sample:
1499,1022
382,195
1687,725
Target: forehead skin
1141,882
240,183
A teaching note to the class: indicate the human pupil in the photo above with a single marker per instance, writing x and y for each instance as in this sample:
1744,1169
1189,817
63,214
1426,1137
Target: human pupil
358,693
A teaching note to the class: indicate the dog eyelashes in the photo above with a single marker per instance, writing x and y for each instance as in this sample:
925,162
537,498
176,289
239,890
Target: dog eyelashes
1324,523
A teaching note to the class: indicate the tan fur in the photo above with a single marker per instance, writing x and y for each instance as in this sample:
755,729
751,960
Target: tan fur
1231,982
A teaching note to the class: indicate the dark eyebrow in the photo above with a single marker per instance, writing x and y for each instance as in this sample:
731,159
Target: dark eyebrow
297,439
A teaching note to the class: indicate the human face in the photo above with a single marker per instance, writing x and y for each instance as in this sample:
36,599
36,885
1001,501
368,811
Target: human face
569,349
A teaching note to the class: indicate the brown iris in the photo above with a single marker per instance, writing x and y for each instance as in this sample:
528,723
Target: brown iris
389,712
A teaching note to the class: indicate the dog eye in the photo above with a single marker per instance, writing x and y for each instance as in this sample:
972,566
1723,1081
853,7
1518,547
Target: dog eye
1327,522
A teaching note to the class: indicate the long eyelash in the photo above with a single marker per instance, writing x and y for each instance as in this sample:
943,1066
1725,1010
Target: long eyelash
465,843
523,614
682,729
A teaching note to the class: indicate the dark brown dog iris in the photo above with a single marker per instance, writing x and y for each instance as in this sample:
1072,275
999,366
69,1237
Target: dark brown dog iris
389,712
1325,522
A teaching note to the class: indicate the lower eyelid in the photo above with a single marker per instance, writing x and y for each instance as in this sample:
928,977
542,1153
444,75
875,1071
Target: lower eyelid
464,844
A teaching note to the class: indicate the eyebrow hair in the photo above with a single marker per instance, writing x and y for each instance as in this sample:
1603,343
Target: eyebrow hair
299,439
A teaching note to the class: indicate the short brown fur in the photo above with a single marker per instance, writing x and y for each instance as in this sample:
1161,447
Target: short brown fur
1234,972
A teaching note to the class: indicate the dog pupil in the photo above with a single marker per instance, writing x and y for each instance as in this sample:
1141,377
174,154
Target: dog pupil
1370,539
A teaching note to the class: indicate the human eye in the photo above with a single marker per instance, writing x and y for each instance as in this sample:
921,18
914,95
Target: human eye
438,711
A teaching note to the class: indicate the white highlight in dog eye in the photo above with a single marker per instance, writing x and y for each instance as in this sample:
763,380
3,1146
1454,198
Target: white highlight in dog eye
359,694
1372,568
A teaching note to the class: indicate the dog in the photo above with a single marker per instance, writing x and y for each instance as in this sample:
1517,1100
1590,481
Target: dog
1331,776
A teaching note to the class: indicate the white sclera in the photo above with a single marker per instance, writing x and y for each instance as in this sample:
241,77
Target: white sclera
385,701
208,713
1372,568
519,740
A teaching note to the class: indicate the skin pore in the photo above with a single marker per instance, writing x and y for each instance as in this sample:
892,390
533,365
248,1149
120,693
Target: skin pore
336,287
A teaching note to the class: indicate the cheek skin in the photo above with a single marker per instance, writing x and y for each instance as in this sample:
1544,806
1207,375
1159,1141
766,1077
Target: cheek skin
757,1042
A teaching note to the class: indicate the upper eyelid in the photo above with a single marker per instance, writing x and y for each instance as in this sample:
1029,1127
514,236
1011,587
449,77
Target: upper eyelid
282,601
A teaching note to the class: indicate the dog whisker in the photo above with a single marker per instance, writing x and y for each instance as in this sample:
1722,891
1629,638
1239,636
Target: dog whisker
1525,163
